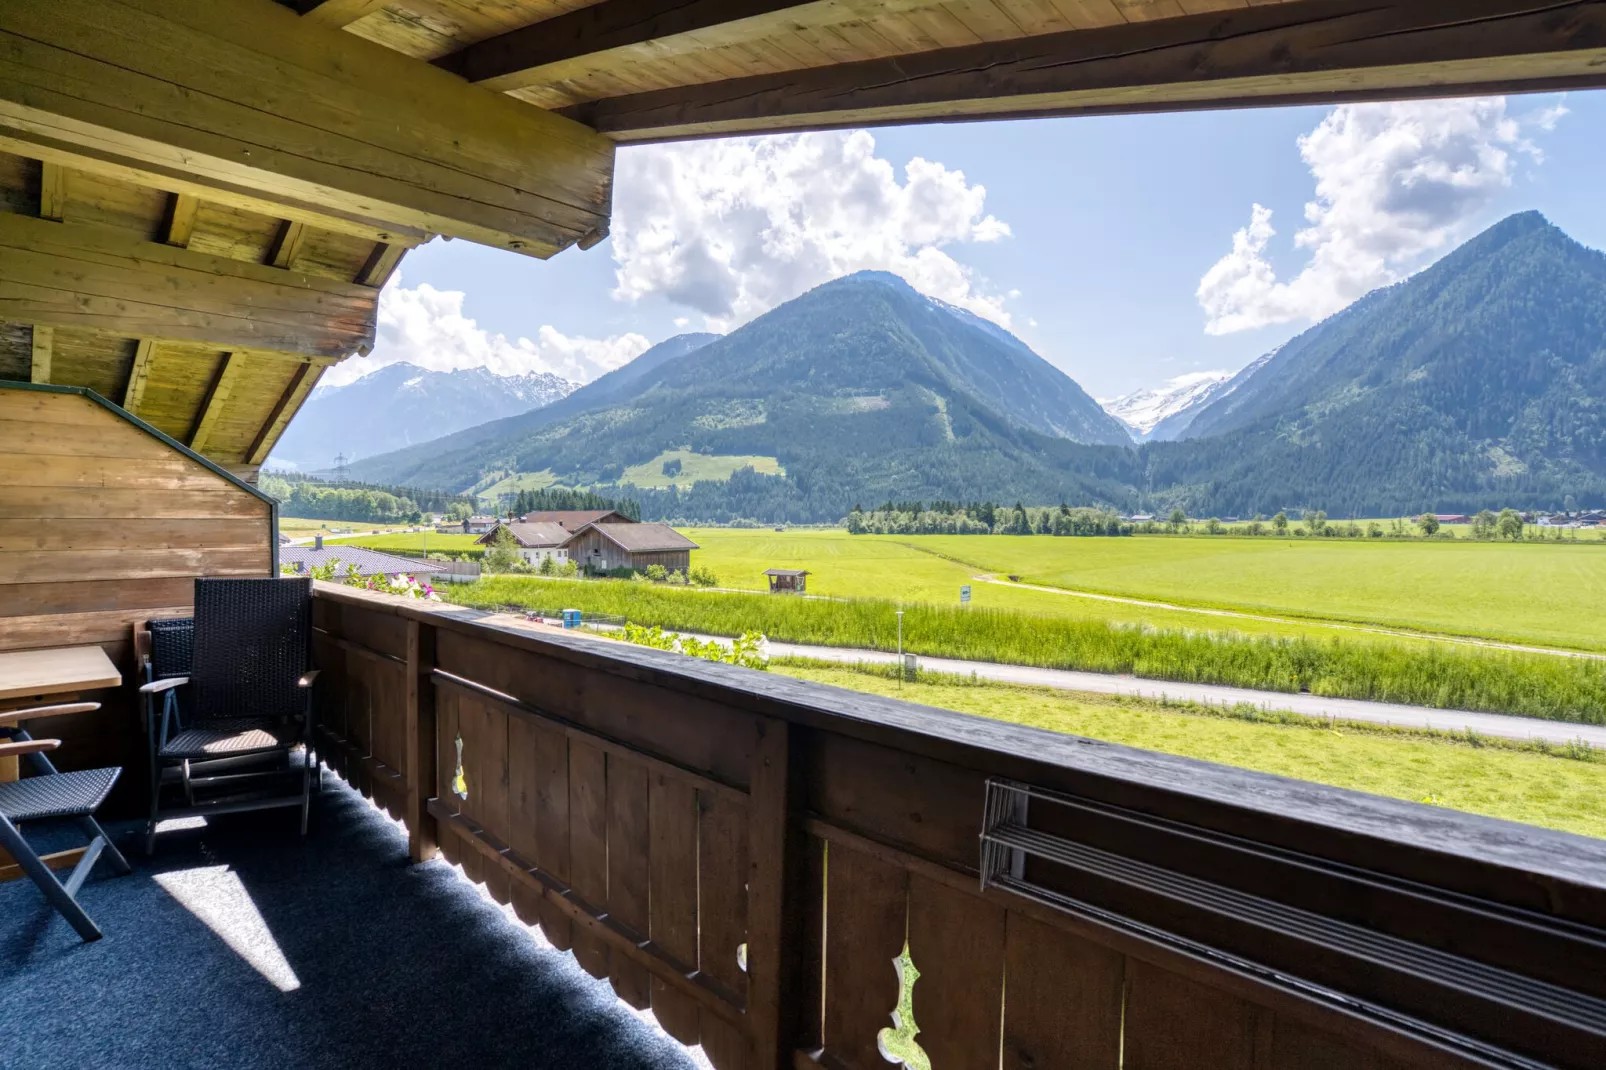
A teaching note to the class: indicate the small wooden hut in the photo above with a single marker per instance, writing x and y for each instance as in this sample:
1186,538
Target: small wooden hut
787,580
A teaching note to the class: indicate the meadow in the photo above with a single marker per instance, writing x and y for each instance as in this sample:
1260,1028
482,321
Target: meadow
696,466
1427,674
1512,781
1536,593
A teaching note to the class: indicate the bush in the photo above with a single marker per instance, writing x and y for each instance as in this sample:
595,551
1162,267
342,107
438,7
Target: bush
657,573
702,576
548,566
503,554
677,579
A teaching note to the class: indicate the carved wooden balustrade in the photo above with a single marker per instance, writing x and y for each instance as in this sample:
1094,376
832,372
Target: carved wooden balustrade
791,874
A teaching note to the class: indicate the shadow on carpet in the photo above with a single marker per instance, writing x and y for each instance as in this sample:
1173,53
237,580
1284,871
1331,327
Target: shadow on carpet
242,945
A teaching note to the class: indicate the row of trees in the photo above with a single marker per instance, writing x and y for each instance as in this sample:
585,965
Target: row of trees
982,518
319,499
1487,525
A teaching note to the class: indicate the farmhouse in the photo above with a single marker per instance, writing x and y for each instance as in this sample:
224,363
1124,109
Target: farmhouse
572,520
604,547
536,542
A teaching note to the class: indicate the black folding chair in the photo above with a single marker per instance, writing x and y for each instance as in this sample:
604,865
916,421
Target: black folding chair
50,795
249,702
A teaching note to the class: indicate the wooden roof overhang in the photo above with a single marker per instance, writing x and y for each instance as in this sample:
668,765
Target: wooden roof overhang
199,199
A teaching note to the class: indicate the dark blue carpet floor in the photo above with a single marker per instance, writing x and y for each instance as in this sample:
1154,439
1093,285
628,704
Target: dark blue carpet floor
242,945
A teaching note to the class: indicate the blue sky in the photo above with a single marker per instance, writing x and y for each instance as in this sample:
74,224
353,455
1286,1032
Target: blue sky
1089,237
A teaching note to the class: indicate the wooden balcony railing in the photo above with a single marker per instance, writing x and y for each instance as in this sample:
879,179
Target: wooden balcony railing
791,874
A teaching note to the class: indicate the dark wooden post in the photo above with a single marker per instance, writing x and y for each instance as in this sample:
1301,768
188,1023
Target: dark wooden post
776,957
420,772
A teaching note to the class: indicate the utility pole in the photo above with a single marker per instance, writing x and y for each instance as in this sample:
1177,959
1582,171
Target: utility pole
900,650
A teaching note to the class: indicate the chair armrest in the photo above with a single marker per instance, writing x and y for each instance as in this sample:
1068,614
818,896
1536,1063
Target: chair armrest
163,685
10,717
311,675
28,746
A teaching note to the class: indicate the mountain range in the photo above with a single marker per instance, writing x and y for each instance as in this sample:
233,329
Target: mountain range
1162,412
402,404
1477,382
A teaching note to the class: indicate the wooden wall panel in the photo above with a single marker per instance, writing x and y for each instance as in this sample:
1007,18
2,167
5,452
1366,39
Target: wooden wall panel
103,526
866,922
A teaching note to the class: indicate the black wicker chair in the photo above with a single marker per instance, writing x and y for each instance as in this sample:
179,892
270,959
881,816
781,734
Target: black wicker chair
248,693
48,795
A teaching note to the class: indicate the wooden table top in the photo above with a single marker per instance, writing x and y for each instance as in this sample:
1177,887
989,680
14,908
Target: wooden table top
56,671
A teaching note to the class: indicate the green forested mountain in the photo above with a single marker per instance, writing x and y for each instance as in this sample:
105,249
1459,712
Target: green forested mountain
860,387
1479,382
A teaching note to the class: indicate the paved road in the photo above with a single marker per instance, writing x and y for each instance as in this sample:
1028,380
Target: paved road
1492,724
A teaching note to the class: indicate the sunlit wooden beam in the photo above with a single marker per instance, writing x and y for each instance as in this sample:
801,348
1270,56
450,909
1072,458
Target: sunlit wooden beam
74,275
247,98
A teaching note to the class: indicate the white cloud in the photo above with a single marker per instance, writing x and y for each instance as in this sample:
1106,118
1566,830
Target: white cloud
426,327
734,227
1394,183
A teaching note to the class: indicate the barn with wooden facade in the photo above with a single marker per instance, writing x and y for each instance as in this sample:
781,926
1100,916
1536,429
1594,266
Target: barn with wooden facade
609,546
199,201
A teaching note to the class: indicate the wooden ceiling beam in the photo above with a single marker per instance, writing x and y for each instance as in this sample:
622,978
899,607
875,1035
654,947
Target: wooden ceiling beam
516,59
181,210
43,347
301,383
287,243
139,376
1313,51
247,99
52,191
73,275
218,392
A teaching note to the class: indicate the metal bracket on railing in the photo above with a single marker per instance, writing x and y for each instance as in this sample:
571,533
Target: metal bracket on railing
1003,808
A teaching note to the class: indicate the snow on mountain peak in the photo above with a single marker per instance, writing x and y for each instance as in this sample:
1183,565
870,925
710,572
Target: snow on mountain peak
1143,410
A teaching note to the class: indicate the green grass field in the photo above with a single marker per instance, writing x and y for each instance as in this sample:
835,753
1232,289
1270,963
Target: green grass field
297,527
1544,594
416,542
696,466
1543,789
1429,674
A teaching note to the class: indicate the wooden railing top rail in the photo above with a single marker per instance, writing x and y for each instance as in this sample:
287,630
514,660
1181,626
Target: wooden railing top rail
631,799
1554,873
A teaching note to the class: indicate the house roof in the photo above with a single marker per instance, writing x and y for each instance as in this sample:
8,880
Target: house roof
640,538
366,562
529,536
786,572
575,519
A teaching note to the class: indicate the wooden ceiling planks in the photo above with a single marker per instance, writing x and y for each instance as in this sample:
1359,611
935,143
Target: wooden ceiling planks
1312,51
652,70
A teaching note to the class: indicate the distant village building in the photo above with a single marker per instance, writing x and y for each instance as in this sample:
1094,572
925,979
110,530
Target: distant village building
536,542
478,525
1453,518
572,520
607,546
787,580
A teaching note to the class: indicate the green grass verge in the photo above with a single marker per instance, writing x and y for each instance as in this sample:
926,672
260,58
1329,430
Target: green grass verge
1562,788
1530,685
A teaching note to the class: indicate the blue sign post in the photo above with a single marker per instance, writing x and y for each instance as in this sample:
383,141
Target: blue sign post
964,595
